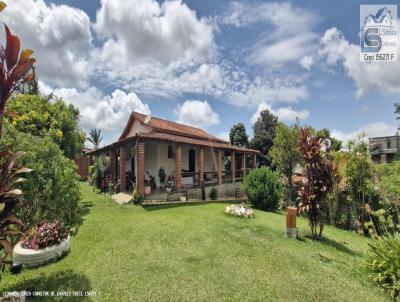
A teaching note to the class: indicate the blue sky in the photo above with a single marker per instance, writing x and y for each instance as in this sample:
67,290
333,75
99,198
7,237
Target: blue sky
209,63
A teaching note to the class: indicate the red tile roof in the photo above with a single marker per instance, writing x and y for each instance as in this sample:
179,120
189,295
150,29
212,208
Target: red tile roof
173,132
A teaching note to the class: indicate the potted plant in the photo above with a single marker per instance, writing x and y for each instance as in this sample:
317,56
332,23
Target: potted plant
170,184
42,244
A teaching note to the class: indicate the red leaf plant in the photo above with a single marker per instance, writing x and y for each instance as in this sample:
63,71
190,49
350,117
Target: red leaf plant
14,67
10,196
319,176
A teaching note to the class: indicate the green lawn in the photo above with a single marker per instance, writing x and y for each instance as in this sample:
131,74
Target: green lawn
185,253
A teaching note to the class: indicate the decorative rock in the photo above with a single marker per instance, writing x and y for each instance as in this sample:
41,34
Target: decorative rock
239,211
33,258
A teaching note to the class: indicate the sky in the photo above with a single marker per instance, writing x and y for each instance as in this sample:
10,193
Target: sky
209,63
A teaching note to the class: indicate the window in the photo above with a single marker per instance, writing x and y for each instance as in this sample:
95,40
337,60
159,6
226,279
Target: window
170,152
388,145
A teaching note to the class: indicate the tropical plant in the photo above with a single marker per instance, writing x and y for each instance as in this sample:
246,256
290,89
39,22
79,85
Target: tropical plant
285,154
383,263
264,134
38,116
13,67
238,135
95,137
45,234
137,198
319,178
330,143
52,190
99,176
397,111
263,188
359,174
150,181
10,196
214,193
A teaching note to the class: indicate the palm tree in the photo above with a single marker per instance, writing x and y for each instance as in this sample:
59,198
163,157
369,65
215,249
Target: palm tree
95,137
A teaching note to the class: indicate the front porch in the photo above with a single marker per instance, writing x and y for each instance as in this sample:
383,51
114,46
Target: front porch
158,168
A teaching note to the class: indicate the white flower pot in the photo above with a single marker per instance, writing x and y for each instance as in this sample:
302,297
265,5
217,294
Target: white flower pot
147,190
183,198
32,258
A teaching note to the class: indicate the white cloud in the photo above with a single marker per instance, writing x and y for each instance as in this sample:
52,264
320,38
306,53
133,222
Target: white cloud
307,62
59,35
370,130
108,112
196,113
224,136
286,27
367,76
284,113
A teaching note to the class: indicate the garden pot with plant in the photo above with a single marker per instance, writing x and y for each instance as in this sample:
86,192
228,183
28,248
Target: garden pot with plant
42,244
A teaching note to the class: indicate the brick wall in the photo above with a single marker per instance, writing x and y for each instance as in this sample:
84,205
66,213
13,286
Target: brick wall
140,167
201,165
122,168
219,166
178,166
233,166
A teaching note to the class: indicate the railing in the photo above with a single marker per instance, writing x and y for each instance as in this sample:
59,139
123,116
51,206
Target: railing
190,179
210,178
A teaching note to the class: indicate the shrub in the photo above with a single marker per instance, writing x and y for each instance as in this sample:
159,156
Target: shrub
263,188
214,193
137,197
52,188
45,235
99,176
383,264
38,116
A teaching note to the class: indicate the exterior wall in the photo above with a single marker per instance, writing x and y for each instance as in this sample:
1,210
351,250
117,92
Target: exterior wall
163,161
151,159
137,127
384,149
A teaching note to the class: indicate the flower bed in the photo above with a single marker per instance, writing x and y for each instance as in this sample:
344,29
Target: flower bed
239,211
46,242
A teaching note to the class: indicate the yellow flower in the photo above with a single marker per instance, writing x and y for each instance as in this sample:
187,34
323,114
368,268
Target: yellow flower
59,134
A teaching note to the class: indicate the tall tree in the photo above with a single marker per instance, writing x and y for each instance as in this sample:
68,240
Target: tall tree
238,135
95,137
397,111
330,143
13,67
285,153
264,134
359,175
319,179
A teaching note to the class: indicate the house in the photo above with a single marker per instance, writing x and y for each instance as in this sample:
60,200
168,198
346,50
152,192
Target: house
188,156
384,149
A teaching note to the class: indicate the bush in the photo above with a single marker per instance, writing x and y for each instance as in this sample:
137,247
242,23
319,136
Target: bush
99,175
39,116
383,263
263,188
45,235
214,193
137,198
52,189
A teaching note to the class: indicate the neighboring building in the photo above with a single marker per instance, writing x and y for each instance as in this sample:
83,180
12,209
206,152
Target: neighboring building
384,149
189,157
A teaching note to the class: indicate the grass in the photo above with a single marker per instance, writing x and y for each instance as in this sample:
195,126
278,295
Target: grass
196,252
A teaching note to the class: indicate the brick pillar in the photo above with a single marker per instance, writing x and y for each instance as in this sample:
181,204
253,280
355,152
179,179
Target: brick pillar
122,168
201,166
219,167
244,164
178,166
112,164
140,167
254,161
233,166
